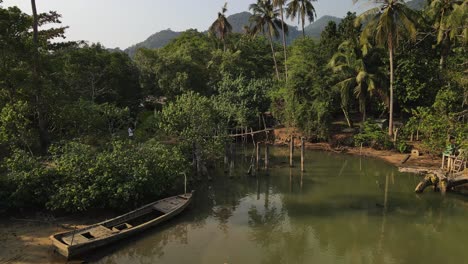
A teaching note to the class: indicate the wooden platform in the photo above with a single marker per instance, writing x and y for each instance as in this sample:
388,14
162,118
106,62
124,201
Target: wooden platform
168,205
84,236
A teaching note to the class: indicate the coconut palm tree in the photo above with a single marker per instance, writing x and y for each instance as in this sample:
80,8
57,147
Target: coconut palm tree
221,27
265,18
301,9
280,5
385,25
42,123
449,18
354,71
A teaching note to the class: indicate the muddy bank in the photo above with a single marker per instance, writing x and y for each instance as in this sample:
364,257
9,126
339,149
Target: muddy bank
26,240
426,162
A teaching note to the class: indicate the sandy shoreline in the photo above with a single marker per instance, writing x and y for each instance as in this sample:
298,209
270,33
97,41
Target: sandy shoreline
27,241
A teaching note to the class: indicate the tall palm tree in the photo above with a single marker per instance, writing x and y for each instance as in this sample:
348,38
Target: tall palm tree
265,18
449,18
385,25
221,27
301,9
280,5
42,123
355,73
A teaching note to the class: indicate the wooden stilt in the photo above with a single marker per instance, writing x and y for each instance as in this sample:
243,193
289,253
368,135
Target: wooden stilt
267,154
291,151
226,157
302,180
290,180
258,155
231,169
231,160
258,190
302,154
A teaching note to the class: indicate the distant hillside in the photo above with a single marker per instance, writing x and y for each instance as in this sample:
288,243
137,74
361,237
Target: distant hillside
238,21
315,29
417,4
157,40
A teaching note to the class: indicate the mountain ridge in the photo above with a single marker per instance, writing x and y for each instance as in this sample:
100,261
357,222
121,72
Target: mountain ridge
239,20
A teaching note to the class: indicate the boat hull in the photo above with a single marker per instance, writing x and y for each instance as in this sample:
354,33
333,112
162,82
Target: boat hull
71,250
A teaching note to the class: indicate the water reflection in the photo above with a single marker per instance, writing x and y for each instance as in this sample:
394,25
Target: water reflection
343,209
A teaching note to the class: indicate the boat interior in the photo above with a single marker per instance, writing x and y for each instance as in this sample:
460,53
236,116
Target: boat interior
124,222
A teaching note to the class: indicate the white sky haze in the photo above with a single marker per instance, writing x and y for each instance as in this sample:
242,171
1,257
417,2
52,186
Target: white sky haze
119,23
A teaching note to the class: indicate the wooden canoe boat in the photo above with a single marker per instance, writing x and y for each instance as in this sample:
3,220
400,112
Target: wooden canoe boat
74,243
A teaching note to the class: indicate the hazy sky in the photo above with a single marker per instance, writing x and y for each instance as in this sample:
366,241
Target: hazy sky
118,23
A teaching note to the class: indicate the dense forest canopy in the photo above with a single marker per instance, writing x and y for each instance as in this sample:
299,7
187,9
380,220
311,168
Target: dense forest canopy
66,107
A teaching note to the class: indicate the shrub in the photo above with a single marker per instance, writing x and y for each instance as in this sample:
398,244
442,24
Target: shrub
403,147
435,128
122,176
29,181
373,136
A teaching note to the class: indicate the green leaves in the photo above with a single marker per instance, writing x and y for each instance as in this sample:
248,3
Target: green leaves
373,136
240,101
15,125
120,176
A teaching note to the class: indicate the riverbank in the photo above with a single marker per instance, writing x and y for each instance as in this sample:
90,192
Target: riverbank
422,162
26,240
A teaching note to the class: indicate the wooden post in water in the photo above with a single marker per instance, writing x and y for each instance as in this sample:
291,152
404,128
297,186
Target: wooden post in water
302,153
291,151
226,157
302,180
290,180
231,162
258,155
267,161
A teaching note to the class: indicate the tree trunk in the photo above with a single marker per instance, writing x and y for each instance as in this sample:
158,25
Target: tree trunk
303,30
224,45
274,56
345,112
364,113
390,119
42,123
284,43
445,50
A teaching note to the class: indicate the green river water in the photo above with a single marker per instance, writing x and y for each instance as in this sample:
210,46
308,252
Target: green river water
343,209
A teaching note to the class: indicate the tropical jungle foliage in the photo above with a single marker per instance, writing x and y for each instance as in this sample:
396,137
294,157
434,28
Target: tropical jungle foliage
65,107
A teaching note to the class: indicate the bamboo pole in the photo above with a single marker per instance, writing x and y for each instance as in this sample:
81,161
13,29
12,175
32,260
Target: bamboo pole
226,157
302,154
291,151
258,155
237,134
231,158
267,161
